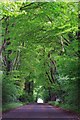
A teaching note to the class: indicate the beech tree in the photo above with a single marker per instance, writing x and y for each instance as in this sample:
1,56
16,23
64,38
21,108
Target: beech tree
40,51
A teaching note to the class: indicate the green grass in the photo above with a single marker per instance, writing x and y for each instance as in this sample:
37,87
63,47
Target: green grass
70,107
65,106
10,106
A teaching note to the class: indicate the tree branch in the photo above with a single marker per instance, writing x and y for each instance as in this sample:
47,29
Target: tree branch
3,46
49,77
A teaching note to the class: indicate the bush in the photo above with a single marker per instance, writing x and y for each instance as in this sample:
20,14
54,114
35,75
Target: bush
25,97
55,103
9,90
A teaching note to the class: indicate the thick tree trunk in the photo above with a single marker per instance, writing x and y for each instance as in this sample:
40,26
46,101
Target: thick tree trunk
52,66
6,60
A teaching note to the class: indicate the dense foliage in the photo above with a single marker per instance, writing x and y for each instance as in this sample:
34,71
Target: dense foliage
40,52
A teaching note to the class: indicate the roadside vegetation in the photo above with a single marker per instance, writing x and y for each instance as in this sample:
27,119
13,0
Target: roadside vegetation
10,106
40,54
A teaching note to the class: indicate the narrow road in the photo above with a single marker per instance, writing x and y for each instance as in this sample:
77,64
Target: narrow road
37,112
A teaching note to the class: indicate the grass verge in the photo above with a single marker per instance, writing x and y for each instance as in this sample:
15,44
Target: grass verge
65,106
9,106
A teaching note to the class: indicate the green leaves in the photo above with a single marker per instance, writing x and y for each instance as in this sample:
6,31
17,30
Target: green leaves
41,44
10,8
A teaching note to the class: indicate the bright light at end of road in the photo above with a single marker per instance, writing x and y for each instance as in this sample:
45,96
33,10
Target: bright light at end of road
40,100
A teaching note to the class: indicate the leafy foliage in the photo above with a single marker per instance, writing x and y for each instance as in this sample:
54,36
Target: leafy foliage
40,51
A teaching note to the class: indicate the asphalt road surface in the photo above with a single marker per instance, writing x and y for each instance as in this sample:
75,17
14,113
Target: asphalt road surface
39,112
